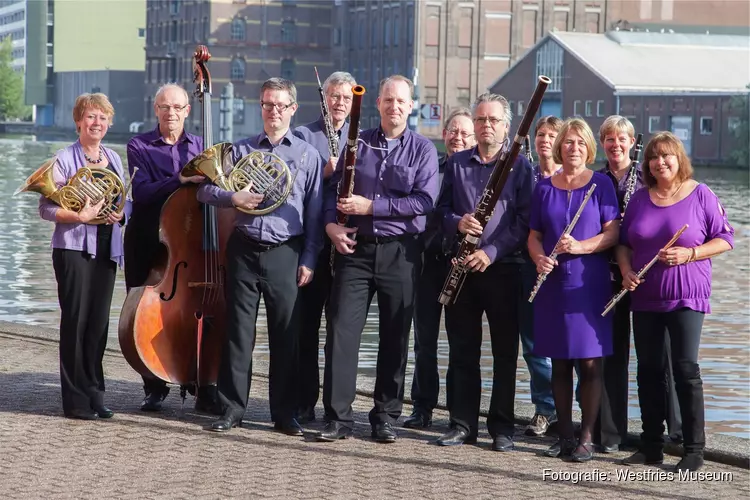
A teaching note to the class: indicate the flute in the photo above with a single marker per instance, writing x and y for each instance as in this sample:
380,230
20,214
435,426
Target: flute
611,304
568,229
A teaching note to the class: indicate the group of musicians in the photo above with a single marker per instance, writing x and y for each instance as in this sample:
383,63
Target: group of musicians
408,211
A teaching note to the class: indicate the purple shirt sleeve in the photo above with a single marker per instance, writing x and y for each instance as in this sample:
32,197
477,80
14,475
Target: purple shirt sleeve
609,206
146,187
445,203
717,223
47,208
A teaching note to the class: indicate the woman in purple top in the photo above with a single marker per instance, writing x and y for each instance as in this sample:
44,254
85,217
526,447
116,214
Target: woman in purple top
85,258
673,297
567,310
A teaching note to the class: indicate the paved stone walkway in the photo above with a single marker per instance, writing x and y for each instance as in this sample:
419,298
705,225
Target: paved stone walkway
169,455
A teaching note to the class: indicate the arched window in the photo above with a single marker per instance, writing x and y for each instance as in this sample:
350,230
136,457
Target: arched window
288,31
238,69
238,29
288,69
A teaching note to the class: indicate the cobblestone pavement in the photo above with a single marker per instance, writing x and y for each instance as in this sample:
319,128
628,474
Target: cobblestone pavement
169,455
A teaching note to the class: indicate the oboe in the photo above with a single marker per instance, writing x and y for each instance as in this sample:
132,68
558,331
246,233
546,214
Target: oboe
333,137
490,195
568,229
635,159
640,274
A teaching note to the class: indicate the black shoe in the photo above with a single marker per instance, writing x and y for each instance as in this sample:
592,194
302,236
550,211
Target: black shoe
563,448
103,411
306,415
82,414
333,431
690,462
204,405
152,402
502,443
583,453
289,427
644,458
384,433
225,423
608,448
455,437
418,419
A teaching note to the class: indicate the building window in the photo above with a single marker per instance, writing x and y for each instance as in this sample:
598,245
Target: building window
410,27
733,123
589,108
707,125
288,69
599,108
174,7
521,108
653,124
141,32
395,30
238,69
387,32
336,37
549,62
576,108
238,110
206,28
238,29
288,31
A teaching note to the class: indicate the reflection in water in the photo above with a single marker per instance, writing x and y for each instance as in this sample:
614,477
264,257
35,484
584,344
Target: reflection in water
28,291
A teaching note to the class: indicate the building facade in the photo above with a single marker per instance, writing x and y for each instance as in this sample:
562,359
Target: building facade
13,26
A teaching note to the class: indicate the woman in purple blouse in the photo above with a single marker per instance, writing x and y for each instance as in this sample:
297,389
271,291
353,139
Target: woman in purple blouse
85,258
568,326
673,297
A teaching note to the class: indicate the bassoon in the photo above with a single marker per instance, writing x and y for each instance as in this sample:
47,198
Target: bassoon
640,274
491,194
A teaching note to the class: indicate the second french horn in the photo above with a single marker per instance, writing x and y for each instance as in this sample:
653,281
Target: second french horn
259,172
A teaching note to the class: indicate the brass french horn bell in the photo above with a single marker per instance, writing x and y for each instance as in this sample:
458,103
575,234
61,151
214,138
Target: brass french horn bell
212,163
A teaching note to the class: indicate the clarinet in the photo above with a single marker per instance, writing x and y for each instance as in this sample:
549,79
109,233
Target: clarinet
635,158
568,229
527,149
640,274
345,187
333,137
486,206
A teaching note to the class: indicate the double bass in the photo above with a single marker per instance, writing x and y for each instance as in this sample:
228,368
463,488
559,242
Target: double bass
174,330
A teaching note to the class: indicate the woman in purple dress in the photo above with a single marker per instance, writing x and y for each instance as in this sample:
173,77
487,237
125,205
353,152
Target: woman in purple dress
567,311
674,295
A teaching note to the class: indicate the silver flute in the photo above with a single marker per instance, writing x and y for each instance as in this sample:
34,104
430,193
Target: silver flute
568,229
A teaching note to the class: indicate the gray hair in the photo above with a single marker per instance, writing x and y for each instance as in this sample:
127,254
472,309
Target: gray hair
490,97
396,78
280,84
455,114
171,86
339,78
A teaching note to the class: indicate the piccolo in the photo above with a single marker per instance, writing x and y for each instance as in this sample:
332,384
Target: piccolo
568,229
640,274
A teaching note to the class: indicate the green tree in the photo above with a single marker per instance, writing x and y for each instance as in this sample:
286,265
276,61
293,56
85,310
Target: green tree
11,85
741,104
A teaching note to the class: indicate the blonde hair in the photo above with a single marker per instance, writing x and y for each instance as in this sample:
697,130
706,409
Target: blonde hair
615,124
97,101
666,143
580,127
549,121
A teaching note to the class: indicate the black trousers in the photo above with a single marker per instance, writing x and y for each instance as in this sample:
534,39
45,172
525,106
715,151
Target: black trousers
389,270
649,330
425,384
142,250
494,293
272,274
313,299
84,289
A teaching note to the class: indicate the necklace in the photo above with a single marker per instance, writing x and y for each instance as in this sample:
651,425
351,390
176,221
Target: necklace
662,197
91,160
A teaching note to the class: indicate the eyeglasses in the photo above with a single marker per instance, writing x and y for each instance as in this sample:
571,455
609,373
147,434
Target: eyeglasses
338,97
665,156
280,106
167,107
453,132
488,119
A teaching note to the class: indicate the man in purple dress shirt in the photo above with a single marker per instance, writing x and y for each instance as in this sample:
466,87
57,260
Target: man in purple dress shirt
269,256
159,156
395,187
493,283
337,90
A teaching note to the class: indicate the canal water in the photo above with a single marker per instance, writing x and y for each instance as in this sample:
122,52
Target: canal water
28,291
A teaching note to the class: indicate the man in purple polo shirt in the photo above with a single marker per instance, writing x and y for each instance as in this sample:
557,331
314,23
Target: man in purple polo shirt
494,281
272,256
337,90
395,187
159,156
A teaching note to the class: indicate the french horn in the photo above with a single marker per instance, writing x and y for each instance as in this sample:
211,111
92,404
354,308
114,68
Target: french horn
96,183
259,172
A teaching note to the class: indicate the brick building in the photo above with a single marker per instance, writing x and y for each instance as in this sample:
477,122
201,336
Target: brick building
686,83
